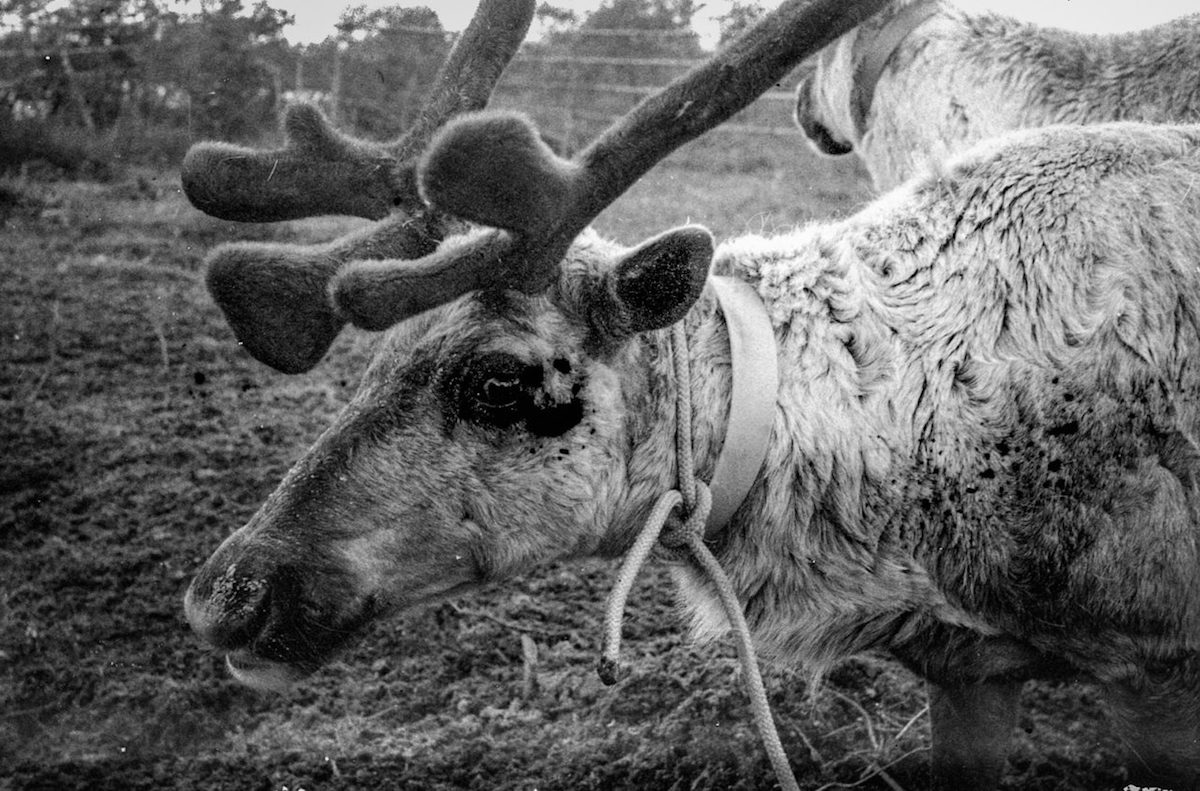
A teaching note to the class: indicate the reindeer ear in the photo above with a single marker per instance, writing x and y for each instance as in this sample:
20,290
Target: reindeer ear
655,285
276,304
494,169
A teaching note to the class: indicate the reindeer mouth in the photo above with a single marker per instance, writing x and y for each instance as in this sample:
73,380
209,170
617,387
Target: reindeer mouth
820,137
263,674
279,657
273,632
823,140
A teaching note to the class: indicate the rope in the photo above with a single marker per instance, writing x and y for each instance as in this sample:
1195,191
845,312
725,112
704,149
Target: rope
684,461
614,613
687,533
760,707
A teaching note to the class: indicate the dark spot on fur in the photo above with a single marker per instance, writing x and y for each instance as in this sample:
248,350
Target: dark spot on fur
562,365
1003,448
556,420
965,374
1055,465
988,474
532,376
1065,429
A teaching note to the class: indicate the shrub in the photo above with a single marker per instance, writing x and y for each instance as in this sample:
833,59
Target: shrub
41,149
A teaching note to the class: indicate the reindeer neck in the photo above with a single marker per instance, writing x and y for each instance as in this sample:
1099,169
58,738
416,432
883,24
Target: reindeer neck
817,516
651,392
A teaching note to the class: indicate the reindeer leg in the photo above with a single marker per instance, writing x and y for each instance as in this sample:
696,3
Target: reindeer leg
1161,724
972,725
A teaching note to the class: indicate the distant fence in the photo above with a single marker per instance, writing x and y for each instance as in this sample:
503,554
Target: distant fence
571,94
573,97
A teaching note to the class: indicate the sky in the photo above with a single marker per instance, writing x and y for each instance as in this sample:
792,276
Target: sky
315,18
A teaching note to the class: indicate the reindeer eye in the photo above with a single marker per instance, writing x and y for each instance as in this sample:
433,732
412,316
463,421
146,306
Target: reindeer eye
501,390
500,393
493,389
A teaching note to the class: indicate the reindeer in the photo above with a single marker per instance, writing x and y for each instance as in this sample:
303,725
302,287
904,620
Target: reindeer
982,451
925,79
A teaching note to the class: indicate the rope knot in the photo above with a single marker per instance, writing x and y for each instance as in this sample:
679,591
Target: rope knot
678,531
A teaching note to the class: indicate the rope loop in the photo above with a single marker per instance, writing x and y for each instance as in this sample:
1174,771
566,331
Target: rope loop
676,535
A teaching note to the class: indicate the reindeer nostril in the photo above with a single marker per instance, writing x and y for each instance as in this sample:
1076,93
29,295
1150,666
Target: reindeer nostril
229,611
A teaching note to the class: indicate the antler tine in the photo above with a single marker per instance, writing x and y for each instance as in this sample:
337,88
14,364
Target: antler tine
484,168
275,297
322,171
318,171
471,70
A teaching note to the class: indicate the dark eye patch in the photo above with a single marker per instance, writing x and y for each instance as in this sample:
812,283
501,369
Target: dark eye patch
500,390
552,421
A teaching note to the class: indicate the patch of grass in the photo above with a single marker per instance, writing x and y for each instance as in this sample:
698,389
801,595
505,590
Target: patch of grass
790,186
51,151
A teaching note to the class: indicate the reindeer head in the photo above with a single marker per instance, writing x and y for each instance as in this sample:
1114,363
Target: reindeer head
833,101
815,109
514,412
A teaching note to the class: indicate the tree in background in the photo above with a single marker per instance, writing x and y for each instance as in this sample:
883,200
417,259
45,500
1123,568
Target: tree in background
552,18
592,71
381,65
178,70
740,16
92,63
641,28
226,62
77,60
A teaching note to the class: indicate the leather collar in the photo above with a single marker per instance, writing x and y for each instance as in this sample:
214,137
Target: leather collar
880,51
755,389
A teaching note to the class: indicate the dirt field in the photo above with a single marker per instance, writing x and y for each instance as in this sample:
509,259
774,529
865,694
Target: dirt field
136,435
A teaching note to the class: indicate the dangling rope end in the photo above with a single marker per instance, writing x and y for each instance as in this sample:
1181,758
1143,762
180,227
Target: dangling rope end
609,670
609,665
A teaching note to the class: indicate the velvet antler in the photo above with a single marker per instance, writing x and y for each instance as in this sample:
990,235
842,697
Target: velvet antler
493,170
322,171
275,296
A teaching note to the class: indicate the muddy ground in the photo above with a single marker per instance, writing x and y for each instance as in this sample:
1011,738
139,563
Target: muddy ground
136,435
